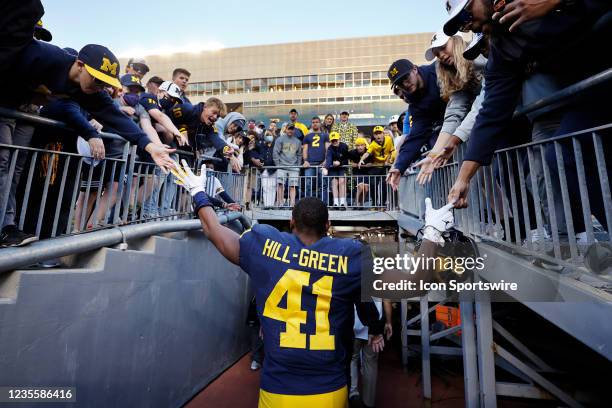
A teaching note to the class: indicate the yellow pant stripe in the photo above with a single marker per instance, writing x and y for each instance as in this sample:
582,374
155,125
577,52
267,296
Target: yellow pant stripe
335,399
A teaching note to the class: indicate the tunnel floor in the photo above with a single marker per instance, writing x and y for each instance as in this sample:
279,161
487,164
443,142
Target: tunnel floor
238,387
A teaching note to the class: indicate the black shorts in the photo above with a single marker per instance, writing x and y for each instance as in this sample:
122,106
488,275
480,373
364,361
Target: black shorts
333,172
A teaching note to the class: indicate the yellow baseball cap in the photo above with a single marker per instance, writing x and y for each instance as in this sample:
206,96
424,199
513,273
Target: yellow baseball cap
379,129
361,141
334,136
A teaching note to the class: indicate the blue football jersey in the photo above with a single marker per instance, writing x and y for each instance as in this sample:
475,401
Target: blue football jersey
305,299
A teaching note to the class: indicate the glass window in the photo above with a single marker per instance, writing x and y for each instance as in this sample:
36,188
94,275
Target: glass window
348,99
216,87
376,82
367,82
358,75
358,84
376,75
366,75
348,76
358,98
339,77
340,99
248,86
349,84
367,98
288,81
224,87
240,86
264,85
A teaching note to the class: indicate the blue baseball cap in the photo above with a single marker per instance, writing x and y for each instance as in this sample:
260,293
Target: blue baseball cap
131,80
101,64
398,70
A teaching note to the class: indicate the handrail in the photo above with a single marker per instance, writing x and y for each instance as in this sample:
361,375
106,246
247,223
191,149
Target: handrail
40,120
563,94
13,258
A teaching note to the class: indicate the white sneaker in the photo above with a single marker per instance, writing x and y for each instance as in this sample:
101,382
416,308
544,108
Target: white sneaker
255,365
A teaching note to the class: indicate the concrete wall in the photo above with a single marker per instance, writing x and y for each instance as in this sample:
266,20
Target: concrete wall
144,328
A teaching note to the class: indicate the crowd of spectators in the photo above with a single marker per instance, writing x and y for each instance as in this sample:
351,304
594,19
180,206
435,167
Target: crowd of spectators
466,95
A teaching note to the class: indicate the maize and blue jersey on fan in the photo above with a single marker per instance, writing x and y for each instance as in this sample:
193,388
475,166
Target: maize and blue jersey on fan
305,299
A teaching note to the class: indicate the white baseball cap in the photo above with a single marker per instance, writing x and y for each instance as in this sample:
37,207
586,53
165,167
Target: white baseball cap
393,119
84,150
439,39
172,89
454,8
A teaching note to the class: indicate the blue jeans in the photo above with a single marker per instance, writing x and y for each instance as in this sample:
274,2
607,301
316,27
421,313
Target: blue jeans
315,176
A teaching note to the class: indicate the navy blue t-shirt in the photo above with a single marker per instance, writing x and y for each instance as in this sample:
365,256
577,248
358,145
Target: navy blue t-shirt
316,146
305,299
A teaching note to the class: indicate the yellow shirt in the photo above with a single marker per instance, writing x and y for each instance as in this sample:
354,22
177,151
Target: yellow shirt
380,154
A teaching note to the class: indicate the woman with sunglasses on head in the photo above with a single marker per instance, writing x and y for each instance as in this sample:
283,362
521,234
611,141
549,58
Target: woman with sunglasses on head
460,78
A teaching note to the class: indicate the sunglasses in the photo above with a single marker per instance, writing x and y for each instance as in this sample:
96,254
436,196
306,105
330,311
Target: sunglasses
464,19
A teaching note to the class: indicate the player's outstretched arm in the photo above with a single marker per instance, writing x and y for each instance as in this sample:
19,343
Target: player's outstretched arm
226,240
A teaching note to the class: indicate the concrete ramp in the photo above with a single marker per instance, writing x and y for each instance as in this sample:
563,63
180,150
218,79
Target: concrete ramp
146,327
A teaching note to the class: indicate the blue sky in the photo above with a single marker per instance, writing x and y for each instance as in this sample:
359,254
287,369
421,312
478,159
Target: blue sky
140,27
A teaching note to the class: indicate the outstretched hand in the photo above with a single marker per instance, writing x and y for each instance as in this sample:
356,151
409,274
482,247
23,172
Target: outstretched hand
185,178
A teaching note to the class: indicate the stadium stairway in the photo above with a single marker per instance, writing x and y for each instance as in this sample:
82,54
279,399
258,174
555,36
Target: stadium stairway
149,326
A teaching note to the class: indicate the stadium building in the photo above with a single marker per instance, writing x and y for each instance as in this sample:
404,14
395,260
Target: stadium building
315,77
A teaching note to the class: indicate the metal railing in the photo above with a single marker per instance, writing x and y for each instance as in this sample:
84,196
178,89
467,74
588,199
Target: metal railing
52,192
549,199
281,187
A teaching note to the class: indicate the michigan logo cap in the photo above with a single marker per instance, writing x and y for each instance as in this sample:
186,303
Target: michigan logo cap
101,64
379,129
361,141
398,70
334,136
438,40
131,80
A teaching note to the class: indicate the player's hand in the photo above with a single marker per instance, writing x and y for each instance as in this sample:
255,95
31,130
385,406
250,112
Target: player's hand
388,331
228,151
185,178
324,171
393,178
306,164
97,148
360,164
161,156
520,11
236,166
233,206
257,162
437,221
336,163
377,342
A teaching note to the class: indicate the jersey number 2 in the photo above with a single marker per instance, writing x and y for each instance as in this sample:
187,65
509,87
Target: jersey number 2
291,283
315,141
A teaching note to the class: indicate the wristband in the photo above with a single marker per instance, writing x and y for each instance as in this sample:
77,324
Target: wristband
200,200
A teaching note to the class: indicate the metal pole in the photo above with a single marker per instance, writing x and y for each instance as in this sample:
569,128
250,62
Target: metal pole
486,359
425,348
468,342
